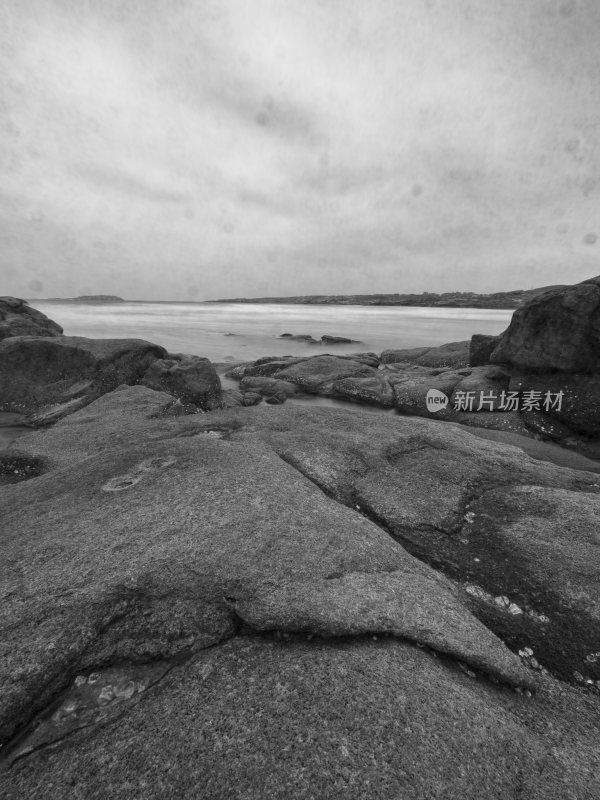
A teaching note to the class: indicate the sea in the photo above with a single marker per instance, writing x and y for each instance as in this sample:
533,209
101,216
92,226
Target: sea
245,332
231,332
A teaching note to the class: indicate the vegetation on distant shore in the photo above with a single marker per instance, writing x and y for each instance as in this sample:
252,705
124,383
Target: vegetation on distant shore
511,299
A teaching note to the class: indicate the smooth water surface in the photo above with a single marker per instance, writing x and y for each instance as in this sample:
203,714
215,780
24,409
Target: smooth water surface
227,331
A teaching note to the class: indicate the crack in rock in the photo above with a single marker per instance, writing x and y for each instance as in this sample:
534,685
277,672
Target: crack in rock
91,699
407,603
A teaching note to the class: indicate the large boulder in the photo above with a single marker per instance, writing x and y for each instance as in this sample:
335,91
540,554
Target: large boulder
36,372
556,330
192,379
18,318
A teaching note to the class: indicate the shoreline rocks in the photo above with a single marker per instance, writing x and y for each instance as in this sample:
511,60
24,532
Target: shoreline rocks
427,595
18,318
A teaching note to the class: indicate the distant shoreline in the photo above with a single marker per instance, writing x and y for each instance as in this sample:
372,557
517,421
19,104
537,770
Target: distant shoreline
498,300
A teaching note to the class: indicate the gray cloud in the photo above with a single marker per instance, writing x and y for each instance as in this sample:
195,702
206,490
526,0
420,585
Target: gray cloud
319,146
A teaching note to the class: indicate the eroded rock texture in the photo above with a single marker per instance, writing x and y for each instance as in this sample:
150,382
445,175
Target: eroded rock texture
294,602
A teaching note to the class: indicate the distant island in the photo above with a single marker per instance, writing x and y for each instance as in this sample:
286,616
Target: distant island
86,298
511,299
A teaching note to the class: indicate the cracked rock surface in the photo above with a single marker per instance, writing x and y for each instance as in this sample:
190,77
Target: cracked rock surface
212,545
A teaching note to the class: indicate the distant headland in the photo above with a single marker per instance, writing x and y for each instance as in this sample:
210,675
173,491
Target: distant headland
86,298
500,300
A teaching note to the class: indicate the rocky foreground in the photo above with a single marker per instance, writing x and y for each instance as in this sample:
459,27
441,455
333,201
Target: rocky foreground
282,600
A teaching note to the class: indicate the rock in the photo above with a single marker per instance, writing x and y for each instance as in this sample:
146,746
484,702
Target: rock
483,387
374,390
299,337
170,542
546,426
191,378
556,330
337,340
268,386
420,480
237,373
410,392
251,398
578,408
231,398
409,355
276,399
371,359
36,372
481,348
318,374
408,603
494,420
18,318
265,367
453,354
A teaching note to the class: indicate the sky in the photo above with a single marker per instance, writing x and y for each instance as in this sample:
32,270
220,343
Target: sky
201,149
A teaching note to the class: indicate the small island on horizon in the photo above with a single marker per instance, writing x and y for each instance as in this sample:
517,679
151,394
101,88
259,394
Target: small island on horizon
85,298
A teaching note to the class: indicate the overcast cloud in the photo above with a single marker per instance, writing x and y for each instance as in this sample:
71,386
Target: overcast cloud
196,149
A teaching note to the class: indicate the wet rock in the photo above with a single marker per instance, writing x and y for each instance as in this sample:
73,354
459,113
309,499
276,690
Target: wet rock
337,340
299,337
18,318
190,378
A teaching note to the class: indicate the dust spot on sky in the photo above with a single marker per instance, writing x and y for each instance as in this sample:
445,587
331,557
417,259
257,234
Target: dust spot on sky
590,238
568,8
36,286
417,190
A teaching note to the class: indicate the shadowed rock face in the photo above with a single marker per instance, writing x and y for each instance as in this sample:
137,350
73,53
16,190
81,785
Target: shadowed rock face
190,378
171,546
557,330
17,318
39,371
